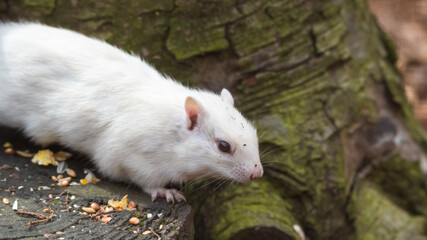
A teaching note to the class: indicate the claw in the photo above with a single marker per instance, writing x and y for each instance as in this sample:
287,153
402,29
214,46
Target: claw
170,194
169,197
180,197
154,196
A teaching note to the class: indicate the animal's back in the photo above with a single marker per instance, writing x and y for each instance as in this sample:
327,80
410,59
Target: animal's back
59,85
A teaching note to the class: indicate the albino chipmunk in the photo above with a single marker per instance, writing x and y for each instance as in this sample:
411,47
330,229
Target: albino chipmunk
135,123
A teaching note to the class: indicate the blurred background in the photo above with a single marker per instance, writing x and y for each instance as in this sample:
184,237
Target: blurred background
405,22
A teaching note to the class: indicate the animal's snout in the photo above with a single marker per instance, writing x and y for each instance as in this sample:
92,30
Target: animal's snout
257,172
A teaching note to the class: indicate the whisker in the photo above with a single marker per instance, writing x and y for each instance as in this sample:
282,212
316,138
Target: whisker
264,131
220,184
200,187
128,186
270,160
196,180
266,149
229,185
269,165
265,153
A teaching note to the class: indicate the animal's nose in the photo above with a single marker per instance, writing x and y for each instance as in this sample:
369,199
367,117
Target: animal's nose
257,172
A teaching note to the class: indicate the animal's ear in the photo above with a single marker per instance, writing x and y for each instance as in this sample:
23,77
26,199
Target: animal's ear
226,97
192,109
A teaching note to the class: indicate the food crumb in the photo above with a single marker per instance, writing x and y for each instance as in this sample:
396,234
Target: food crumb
134,221
9,151
71,172
44,158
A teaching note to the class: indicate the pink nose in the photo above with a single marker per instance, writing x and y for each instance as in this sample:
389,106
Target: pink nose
258,171
253,177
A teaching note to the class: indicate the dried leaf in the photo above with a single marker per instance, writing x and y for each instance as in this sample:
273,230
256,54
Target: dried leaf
90,177
6,167
62,156
105,209
105,219
123,204
95,180
24,154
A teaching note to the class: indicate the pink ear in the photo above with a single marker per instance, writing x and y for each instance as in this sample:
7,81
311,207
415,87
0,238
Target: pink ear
192,109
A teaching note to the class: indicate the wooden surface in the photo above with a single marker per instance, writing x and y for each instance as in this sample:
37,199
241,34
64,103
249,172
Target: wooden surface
30,185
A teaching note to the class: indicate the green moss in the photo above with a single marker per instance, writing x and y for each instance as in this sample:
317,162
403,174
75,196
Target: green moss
186,43
398,177
45,7
158,5
189,38
332,10
354,86
300,124
294,49
246,207
328,33
390,47
375,217
265,27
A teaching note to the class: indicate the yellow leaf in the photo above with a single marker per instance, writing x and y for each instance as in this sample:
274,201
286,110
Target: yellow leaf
45,158
123,204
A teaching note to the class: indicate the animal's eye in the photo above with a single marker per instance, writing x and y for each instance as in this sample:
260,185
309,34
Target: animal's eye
224,146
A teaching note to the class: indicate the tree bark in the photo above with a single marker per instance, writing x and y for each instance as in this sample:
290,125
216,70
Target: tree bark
344,154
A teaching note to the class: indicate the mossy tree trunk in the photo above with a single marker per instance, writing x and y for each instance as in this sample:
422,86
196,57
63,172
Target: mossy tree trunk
346,154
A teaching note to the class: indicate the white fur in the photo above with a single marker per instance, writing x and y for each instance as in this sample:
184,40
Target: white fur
60,86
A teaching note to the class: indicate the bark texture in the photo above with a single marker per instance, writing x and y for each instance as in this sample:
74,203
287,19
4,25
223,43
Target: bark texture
345,153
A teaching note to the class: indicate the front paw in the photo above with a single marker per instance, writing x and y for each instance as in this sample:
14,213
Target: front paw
170,194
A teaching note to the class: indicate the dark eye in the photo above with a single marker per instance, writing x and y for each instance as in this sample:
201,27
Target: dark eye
224,146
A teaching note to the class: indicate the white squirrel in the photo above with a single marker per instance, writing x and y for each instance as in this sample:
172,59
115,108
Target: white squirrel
135,123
